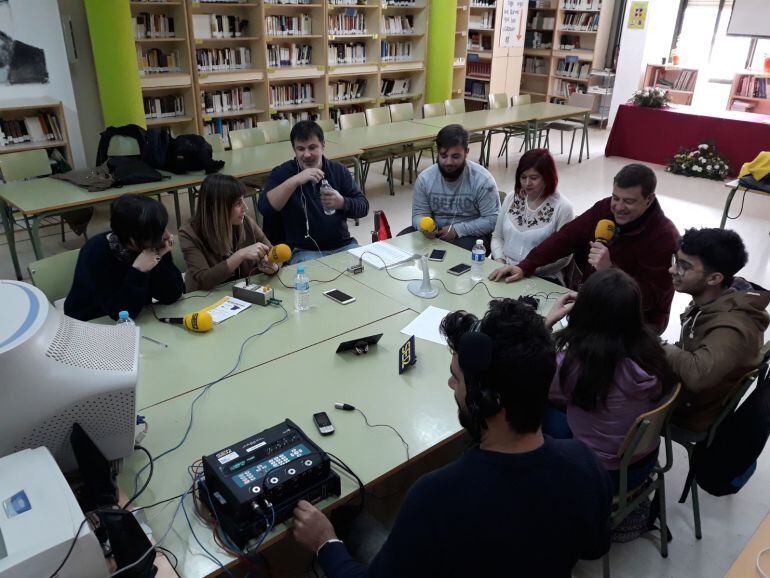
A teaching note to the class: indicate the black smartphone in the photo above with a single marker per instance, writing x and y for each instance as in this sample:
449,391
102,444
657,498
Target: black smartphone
437,255
339,296
323,423
460,269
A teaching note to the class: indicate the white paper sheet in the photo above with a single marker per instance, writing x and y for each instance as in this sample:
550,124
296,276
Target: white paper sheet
390,255
226,308
426,325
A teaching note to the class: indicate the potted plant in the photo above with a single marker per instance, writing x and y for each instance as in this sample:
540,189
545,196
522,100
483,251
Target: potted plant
702,161
651,97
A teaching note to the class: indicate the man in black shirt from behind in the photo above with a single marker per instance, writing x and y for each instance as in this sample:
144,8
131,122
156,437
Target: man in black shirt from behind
515,504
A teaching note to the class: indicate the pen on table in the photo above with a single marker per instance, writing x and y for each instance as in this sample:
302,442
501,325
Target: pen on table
154,340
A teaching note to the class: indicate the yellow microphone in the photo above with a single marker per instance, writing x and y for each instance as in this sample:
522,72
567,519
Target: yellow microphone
605,231
279,254
199,322
427,225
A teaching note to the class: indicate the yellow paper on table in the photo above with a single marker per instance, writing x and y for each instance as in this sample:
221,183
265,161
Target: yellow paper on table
759,168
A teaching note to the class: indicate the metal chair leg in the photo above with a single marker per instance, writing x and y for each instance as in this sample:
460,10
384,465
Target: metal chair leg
696,508
61,222
572,144
389,171
606,565
561,136
662,517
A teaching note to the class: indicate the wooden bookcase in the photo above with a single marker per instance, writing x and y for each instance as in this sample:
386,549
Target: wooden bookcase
13,126
564,41
461,48
482,38
165,68
749,92
678,82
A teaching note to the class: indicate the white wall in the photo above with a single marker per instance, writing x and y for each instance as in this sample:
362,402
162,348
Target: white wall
37,22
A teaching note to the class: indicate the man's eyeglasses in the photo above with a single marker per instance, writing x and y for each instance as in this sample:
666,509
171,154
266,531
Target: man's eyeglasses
682,266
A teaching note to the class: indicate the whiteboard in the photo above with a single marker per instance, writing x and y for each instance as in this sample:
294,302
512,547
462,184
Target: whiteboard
750,18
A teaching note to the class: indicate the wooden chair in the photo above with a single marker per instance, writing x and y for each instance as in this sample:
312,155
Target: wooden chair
53,275
247,137
457,106
689,439
566,125
275,130
643,437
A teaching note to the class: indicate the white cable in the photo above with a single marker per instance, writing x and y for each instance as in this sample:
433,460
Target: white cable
759,568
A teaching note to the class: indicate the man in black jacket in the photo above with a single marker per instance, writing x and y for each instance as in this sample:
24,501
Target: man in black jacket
294,203
516,504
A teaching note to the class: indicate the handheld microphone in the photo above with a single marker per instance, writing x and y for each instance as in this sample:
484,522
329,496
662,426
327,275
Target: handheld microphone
279,254
605,231
199,322
427,225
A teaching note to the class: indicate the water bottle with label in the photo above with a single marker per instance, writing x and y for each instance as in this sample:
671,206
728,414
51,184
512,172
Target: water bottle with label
326,187
124,319
301,290
478,254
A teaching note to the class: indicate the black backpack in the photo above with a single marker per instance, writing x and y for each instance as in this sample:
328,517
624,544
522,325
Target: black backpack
191,152
128,130
725,466
131,171
157,147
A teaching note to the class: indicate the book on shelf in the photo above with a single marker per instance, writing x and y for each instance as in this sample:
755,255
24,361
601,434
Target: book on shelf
569,42
347,2
336,112
233,99
485,20
347,53
349,21
287,2
219,26
541,21
752,87
535,65
287,55
164,106
34,128
215,59
479,68
223,126
581,4
572,67
582,21
394,86
541,3
295,116
742,106
538,39
283,25
476,88
401,24
483,3
401,3
150,25
220,1
564,88
157,61
291,94
346,89
395,51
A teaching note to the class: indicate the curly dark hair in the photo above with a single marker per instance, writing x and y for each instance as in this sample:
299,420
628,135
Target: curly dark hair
720,251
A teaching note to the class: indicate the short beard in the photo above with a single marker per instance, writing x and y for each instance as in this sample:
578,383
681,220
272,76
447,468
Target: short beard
470,424
451,175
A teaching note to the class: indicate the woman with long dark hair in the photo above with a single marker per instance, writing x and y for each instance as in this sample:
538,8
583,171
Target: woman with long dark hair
611,368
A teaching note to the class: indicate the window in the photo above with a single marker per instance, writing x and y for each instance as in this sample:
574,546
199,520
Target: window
761,52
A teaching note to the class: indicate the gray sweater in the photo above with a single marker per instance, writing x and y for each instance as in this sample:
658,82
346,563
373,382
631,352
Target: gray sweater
470,204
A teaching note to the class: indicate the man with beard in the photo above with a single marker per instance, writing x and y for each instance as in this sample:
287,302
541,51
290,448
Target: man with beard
642,246
460,195
310,219
516,503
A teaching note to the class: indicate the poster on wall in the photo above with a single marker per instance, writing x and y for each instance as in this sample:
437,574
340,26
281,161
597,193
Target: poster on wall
637,16
512,23
20,63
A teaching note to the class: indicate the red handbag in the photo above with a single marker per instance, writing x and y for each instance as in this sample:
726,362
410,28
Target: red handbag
381,227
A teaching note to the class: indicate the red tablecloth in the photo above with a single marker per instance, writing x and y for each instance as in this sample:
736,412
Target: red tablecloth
655,135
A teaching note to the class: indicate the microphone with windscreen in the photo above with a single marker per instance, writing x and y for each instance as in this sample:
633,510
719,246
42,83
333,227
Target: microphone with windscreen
199,322
279,254
605,231
427,225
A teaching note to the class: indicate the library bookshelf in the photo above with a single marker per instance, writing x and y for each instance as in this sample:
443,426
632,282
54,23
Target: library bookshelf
34,123
678,82
749,93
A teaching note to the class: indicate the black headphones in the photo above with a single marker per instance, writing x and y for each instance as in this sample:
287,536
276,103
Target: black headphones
474,354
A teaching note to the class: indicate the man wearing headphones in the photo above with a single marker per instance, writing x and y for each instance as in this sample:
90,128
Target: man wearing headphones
517,503
311,219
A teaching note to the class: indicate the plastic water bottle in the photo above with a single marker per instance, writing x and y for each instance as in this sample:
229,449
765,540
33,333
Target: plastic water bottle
478,254
301,290
124,319
326,187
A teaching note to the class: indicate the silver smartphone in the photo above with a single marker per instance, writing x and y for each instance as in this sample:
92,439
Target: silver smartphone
339,296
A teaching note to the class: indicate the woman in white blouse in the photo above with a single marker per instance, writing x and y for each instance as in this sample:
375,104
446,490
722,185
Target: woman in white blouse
531,213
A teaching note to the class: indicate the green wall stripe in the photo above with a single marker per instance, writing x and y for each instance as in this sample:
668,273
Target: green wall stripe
441,49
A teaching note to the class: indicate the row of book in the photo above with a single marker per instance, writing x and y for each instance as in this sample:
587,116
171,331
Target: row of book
165,106
684,80
752,87
401,3
742,106
229,100
535,39
478,41
213,59
289,2
403,24
573,68
294,93
395,51
581,21
150,25
295,116
347,22
476,88
483,3
347,2
535,65
220,1
38,128
282,55
581,5
347,53
219,26
394,86
471,105
569,42
223,126
336,112
540,3
542,21
347,89
564,88
154,60
484,20
479,68
283,25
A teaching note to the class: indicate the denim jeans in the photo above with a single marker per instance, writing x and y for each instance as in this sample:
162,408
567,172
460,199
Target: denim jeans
308,255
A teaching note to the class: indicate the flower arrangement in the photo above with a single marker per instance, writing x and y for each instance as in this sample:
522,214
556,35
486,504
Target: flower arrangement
652,97
703,161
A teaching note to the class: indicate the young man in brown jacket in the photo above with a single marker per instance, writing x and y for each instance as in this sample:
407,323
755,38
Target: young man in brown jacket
722,328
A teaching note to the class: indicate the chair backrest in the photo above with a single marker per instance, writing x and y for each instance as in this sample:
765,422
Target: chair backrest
380,115
178,257
731,401
646,429
454,105
352,120
520,99
433,109
582,100
275,130
246,137
123,146
53,275
326,124
499,100
216,142
401,112
24,165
